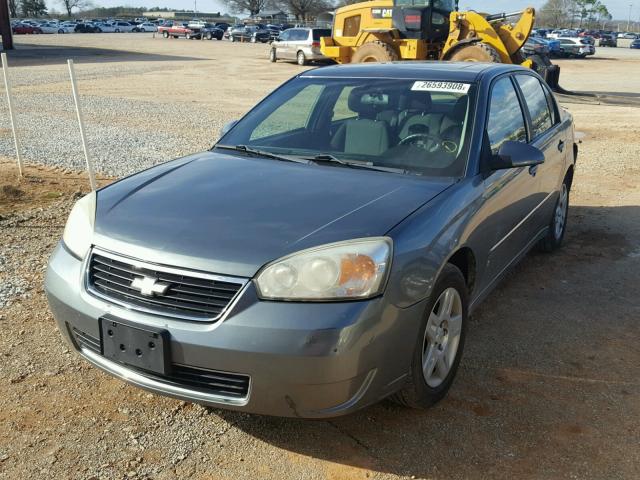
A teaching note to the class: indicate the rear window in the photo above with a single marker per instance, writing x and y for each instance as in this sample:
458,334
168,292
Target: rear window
321,32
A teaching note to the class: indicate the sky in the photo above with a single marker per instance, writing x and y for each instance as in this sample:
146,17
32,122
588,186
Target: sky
618,8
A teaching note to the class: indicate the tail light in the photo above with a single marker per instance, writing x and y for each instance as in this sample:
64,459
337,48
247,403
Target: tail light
315,44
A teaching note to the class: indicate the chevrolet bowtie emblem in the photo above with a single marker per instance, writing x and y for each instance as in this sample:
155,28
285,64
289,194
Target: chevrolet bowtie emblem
149,286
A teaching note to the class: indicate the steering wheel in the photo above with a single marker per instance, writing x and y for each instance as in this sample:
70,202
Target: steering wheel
430,143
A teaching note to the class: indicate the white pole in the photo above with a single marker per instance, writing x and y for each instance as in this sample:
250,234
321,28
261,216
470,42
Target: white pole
74,89
7,87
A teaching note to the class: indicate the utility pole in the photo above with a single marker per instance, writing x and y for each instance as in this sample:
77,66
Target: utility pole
629,20
5,26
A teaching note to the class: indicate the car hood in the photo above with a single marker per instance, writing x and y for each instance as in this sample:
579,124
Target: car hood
231,214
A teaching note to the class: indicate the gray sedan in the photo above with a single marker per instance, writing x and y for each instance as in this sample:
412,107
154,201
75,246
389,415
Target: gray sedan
327,251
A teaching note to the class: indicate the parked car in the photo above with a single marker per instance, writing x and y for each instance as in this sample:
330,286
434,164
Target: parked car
211,31
25,29
299,44
105,27
178,30
533,46
54,27
607,40
251,33
123,27
635,43
576,47
320,257
147,27
627,35
553,44
86,27
227,33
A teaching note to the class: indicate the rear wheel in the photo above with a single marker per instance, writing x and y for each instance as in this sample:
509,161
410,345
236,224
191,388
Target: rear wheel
558,225
438,348
476,52
272,55
374,52
209,36
301,59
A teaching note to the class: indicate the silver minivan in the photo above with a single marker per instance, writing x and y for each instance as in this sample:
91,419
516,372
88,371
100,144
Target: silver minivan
299,44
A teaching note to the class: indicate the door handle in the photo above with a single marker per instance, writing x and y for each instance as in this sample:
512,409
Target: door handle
533,169
561,145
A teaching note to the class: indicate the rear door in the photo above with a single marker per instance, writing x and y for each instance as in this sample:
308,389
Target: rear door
510,197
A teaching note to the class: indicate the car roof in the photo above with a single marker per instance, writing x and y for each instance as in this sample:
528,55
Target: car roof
427,70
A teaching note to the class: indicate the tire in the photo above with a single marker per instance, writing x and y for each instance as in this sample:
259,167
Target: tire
558,224
374,52
209,36
301,59
439,344
231,38
117,30
188,36
254,40
272,55
476,52
60,30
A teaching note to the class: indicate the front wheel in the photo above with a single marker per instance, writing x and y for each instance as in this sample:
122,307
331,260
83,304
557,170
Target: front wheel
558,225
165,34
438,348
232,38
272,55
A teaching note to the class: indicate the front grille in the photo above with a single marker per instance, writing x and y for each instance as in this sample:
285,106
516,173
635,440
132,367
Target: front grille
190,295
226,384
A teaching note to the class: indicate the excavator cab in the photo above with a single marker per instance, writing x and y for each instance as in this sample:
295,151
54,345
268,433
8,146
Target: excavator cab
426,20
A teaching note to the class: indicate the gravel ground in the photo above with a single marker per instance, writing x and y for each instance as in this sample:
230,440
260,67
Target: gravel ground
548,387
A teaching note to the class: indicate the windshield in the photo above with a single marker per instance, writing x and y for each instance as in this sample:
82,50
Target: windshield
420,127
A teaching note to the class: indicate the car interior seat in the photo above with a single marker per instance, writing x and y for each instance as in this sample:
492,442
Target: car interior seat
416,115
365,134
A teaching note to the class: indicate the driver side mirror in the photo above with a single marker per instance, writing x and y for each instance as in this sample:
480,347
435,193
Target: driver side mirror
516,154
228,126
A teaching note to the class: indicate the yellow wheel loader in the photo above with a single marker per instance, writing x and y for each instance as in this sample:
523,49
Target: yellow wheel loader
387,30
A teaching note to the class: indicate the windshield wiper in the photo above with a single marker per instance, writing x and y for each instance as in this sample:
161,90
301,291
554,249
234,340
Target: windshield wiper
326,158
262,153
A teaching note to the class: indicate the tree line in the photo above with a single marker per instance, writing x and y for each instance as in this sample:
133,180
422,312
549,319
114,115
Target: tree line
573,14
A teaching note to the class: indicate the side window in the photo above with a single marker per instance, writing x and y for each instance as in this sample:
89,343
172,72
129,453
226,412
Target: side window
351,26
284,36
553,107
536,103
341,109
506,121
291,115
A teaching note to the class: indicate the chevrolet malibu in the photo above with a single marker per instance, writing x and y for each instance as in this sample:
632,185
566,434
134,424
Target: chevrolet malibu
328,250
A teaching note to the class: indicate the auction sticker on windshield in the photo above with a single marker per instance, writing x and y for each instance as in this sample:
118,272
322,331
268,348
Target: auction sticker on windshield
452,87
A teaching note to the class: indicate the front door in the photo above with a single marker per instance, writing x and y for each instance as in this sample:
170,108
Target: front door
510,195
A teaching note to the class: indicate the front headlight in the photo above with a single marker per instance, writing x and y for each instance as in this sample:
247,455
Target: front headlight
353,269
79,228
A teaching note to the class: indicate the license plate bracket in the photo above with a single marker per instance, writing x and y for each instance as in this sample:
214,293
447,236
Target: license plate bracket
134,345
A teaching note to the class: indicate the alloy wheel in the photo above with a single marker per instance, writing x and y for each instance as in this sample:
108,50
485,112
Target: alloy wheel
442,337
560,215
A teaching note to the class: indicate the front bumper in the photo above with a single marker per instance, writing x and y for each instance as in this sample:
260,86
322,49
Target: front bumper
303,359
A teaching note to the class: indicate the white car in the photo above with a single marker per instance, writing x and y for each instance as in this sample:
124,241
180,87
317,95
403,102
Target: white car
147,27
106,27
123,27
51,27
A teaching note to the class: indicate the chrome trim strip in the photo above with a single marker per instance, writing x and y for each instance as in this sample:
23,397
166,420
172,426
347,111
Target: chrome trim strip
242,282
520,223
140,380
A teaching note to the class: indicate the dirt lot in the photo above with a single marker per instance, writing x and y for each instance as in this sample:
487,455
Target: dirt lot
549,386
